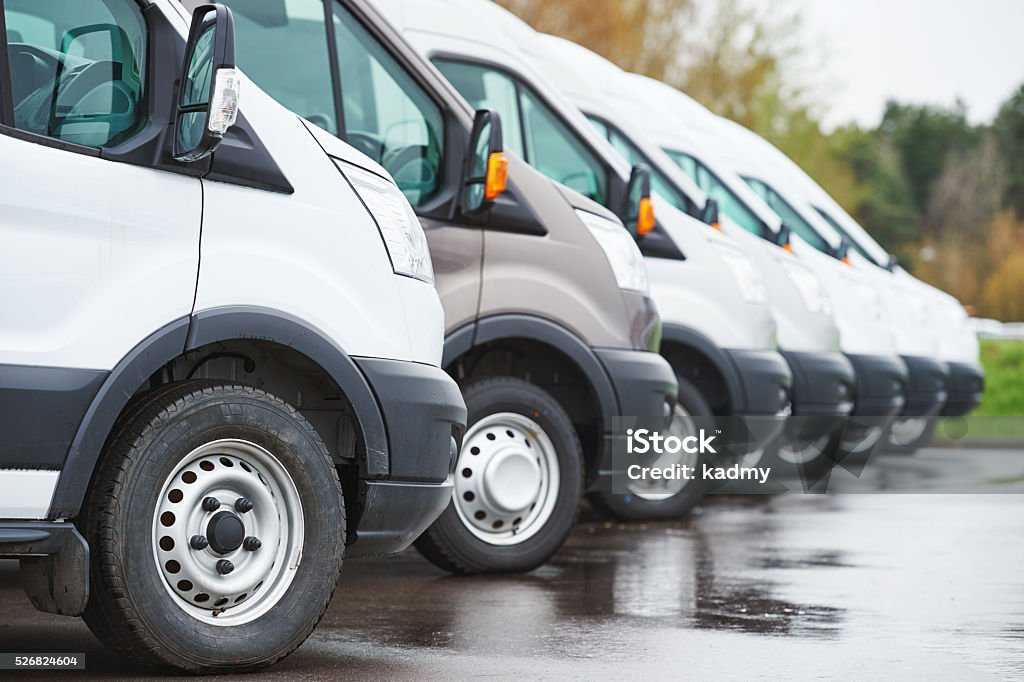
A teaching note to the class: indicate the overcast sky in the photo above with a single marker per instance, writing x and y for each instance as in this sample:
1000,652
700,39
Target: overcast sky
921,51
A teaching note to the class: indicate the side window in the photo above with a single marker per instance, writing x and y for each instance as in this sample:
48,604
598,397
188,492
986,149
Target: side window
282,47
531,129
853,242
487,89
728,202
660,185
387,115
77,69
788,214
553,150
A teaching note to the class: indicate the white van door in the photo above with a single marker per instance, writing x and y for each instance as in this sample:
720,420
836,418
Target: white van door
94,255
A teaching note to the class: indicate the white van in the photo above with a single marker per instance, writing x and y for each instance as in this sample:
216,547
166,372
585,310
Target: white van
917,316
689,134
718,332
807,333
219,344
946,323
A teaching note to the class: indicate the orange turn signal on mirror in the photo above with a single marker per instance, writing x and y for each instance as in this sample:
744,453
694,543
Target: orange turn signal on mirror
845,259
787,247
716,226
645,220
497,175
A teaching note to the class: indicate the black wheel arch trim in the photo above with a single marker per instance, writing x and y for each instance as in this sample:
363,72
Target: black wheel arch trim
144,360
520,326
187,333
686,336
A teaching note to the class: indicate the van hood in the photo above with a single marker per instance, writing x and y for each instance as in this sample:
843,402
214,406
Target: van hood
584,203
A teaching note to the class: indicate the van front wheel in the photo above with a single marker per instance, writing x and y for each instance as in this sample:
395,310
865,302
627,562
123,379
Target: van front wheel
216,529
517,483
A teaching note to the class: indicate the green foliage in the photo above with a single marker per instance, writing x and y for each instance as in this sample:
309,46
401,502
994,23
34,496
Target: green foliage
923,137
1004,378
1009,128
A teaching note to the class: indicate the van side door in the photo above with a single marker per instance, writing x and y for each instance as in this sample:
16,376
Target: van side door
95,255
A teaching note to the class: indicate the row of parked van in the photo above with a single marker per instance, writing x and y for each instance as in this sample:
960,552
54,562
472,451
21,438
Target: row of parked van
287,281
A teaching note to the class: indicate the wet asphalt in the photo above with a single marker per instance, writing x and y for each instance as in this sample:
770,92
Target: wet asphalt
852,586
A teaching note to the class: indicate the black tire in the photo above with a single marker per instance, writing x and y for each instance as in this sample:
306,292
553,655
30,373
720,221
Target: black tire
633,508
130,609
450,545
908,447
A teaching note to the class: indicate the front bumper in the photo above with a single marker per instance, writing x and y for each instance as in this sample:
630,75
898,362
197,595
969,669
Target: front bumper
927,386
966,387
425,418
823,384
645,386
881,385
766,382
761,399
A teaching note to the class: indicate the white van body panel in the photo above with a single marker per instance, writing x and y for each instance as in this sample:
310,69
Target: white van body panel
98,256
26,493
256,250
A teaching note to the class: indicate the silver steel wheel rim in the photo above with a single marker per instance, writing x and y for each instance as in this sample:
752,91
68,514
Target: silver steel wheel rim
662,489
507,479
801,450
228,470
906,431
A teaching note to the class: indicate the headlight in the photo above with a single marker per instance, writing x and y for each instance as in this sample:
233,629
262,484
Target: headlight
622,252
748,278
808,286
401,230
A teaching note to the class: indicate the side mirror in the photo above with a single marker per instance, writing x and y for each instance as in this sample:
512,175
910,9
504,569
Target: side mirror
784,238
710,214
843,250
208,84
893,263
639,213
486,170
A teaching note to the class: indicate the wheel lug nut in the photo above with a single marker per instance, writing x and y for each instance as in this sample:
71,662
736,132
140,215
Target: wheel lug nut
243,504
251,544
224,567
198,542
211,504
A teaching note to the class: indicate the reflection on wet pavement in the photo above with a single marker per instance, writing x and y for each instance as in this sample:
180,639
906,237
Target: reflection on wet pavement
850,586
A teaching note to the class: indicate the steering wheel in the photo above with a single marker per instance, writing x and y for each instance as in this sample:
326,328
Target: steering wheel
412,169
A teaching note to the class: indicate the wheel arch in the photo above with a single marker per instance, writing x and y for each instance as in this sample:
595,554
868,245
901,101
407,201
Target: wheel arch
170,343
692,355
518,331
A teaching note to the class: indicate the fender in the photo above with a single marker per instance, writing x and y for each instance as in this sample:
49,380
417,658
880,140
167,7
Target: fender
501,327
121,383
210,326
718,357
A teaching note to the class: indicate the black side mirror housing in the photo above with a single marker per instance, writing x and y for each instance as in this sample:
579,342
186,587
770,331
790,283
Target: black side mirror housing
783,236
485,173
207,100
638,212
710,213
